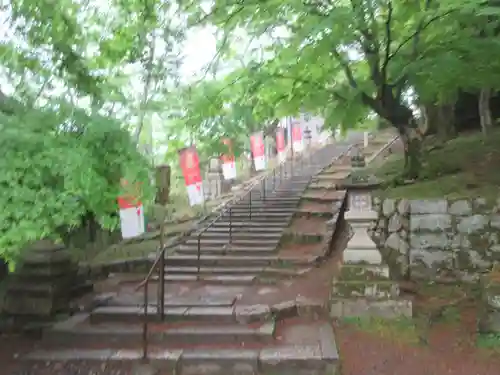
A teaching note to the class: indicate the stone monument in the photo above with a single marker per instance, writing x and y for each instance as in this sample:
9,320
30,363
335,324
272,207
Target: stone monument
45,281
363,286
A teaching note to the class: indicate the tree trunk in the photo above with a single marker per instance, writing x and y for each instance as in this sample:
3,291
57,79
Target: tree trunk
401,117
439,119
413,160
485,111
446,120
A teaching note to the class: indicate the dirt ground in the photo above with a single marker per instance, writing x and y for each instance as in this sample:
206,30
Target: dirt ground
438,341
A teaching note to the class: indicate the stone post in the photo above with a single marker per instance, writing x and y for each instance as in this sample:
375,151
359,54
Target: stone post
162,184
363,286
365,139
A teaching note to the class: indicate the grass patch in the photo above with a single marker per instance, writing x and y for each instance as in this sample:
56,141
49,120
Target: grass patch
489,341
466,166
401,329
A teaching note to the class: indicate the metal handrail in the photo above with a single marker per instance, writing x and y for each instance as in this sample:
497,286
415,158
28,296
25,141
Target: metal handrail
160,259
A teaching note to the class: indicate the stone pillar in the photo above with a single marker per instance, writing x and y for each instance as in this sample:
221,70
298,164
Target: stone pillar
365,139
363,286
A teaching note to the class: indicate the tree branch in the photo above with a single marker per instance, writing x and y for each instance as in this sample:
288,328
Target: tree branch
422,26
388,41
347,70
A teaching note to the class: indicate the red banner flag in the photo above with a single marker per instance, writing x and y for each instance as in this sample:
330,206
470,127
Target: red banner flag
280,145
190,165
228,161
297,137
258,150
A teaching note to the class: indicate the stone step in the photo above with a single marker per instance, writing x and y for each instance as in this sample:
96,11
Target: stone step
224,242
252,270
135,314
237,260
249,224
244,213
119,335
246,208
229,250
237,235
268,202
211,279
264,229
291,359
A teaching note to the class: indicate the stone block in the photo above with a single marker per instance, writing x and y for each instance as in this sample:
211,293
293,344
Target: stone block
252,313
365,289
387,309
430,222
428,263
388,207
435,206
425,241
396,242
219,361
361,256
299,358
472,224
366,272
460,208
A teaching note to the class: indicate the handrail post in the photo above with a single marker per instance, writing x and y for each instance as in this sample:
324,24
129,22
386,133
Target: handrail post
230,224
274,179
161,286
264,180
145,323
250,204
199,253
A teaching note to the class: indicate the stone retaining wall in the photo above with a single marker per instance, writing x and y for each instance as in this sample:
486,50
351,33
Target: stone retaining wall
438,239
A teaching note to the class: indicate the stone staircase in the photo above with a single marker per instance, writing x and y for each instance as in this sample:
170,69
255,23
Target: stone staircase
257,223
223,329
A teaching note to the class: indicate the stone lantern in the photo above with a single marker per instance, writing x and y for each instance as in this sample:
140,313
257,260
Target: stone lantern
357,157
360,215
363,286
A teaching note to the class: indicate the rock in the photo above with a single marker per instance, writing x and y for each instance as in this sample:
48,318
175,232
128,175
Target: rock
423,241
388,207
495,221
460,208
472,224
395,242
395,223
404,206
437,206
433,222
428,264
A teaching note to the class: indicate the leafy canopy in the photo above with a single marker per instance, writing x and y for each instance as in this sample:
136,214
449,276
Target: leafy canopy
73,83
346,58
